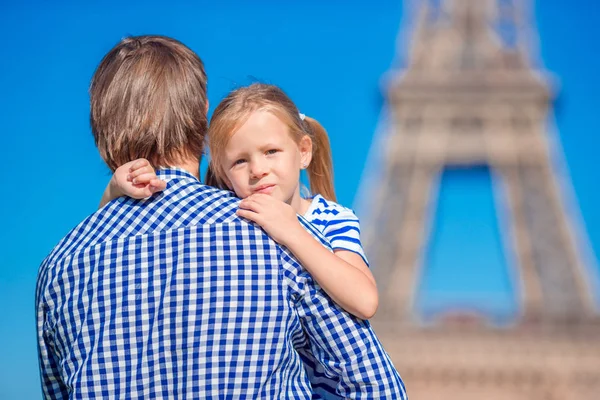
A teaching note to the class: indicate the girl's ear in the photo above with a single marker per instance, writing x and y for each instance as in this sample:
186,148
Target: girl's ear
305,147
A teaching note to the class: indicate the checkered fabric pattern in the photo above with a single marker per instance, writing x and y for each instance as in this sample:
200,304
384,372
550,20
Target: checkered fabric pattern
176,297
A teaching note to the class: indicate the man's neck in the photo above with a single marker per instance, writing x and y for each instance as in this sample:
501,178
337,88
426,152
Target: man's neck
191,166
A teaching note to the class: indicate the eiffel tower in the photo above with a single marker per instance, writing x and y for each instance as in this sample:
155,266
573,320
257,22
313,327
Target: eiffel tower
471,97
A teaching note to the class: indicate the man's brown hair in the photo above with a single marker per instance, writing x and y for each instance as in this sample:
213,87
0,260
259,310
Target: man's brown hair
148,100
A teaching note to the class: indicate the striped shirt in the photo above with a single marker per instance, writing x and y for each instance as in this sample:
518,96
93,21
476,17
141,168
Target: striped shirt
338,224
176,297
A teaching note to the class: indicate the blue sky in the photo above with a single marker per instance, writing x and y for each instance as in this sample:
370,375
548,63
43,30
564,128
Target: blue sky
329,56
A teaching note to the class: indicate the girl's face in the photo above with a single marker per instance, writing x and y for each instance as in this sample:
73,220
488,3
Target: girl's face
262,157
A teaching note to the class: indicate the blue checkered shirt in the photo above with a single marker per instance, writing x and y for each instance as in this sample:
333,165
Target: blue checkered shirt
176,297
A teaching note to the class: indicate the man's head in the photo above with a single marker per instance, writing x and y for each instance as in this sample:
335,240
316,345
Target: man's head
148,100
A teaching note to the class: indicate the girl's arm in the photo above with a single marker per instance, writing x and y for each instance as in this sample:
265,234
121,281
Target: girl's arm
136,179
343,274
111,192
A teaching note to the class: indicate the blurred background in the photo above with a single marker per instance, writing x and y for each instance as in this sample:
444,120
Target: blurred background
342,63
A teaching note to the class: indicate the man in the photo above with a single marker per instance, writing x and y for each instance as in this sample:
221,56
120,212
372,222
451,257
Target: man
175,296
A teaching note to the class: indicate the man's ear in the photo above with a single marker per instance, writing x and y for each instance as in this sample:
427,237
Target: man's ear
306,147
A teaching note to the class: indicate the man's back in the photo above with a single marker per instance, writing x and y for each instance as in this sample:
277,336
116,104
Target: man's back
178,298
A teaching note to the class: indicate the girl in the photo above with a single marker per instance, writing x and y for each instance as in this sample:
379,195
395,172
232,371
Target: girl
259,143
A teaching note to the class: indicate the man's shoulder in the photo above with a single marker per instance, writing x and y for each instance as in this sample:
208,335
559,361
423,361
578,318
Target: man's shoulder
204,215
183,205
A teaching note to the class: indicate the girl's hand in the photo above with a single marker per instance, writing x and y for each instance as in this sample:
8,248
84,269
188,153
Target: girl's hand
277,218
137,179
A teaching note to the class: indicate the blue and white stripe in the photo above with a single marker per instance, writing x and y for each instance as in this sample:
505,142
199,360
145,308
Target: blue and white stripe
338,224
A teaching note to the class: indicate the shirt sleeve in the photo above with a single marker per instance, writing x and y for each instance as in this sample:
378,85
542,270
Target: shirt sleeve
343,232
345,346
52,385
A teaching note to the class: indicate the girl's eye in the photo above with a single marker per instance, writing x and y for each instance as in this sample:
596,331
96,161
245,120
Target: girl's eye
272,151
240,161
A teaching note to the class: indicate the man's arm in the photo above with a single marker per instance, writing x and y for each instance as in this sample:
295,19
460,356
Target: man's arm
52,385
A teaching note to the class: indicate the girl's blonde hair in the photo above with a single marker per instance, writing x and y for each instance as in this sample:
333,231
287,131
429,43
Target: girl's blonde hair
234,111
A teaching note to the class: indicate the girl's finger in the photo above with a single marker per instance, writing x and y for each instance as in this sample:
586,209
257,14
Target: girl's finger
145,192
258,198
250,204
144,170
144,178
142,162
252,216
155,189
268,201
158,184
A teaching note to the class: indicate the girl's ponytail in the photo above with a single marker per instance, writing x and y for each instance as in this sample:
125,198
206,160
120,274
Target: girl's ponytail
320,170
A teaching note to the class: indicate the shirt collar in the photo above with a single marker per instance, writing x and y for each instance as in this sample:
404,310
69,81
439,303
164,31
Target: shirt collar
171,173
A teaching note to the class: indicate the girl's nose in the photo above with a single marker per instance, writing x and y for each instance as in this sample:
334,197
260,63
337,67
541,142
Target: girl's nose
258,170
